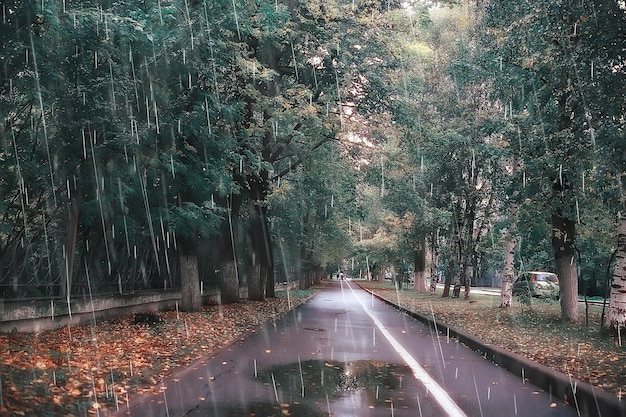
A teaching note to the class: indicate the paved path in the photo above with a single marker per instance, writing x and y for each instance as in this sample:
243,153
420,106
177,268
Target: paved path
344,353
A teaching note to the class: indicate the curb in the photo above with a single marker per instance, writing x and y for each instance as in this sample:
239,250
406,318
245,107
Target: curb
588,400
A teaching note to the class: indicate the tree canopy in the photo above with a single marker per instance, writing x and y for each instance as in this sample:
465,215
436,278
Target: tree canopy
290,139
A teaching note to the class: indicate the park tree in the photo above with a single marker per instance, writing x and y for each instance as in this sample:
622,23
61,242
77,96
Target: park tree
560,98
111,109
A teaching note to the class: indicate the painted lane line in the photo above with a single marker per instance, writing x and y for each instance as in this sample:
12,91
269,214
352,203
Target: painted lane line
439,394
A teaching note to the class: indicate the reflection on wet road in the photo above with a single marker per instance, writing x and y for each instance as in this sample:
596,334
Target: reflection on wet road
344,353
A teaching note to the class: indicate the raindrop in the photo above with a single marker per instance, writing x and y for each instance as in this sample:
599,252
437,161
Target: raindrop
112,85
419,405
328,405
480,407
301,376
167,411
43,116
274,380
236,20
160,13
156,117
295,63
432,311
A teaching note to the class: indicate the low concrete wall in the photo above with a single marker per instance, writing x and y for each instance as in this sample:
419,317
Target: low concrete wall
36,316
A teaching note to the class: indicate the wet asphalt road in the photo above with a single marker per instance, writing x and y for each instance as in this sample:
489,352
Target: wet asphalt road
344,353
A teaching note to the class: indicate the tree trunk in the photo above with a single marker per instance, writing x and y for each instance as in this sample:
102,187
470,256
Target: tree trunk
228,274
508,275
419,274
70,250
616,317
191,300
563,234
270,284
450,273
434,260
256,288
508,269
255,291
469,273
229,282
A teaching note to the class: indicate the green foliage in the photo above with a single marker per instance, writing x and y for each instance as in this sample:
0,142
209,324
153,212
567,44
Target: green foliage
351,129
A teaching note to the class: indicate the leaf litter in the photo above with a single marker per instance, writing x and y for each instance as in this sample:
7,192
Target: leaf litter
583,352
79,370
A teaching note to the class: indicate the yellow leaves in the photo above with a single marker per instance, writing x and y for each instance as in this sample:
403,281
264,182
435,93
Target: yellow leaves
124,357
538,335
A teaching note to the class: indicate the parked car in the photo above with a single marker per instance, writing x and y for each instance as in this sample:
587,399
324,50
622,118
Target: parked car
537,284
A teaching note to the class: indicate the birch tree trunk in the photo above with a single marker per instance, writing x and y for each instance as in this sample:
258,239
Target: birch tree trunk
506,293
563,234
616,317
508,269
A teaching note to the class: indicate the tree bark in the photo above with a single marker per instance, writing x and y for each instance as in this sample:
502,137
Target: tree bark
419,274
228,274
70,249
563,234
255,293
450,273
434,260
229,282
508,275
191,299
616,317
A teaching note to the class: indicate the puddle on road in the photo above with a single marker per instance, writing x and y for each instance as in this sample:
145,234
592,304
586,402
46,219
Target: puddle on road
277,410
334,385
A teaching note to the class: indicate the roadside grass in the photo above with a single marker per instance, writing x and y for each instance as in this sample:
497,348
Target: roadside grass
532,330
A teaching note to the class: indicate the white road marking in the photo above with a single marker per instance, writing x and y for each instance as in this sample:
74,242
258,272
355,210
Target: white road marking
438,393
